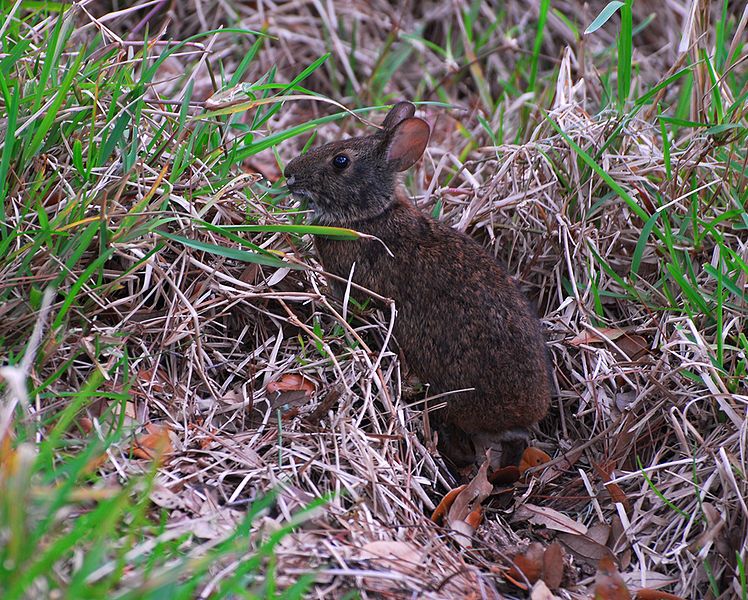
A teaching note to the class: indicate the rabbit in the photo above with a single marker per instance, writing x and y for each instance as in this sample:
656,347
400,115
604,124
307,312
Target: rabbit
461,322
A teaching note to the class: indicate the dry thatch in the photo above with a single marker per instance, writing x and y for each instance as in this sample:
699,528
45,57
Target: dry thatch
648,438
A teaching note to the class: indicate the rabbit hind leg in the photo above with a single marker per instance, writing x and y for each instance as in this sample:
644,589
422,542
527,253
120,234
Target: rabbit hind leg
505,448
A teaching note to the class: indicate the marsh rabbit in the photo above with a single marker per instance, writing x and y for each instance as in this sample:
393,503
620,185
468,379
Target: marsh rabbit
461,321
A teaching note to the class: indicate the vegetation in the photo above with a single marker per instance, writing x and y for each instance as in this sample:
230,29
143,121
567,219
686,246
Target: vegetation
185,413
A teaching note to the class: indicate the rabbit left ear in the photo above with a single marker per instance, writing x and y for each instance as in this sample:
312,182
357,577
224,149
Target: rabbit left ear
406,142
398,113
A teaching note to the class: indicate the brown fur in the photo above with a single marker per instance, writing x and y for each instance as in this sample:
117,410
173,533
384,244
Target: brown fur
461,321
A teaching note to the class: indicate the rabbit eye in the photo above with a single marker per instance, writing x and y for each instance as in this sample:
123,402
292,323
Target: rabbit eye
341,161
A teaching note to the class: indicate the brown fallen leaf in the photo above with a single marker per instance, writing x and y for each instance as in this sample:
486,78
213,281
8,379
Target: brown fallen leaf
532,457
550,518
504,475
153,444
632,345
609,584
86,424
553,565
391,550
153,379
470,496
596,336
459,518
291,382
441,510
584,547
617,495
475,518
527,565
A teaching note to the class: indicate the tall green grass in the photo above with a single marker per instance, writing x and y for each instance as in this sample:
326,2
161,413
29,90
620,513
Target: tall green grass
66,531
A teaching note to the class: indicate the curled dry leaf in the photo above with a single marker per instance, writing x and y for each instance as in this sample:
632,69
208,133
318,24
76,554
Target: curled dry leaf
153,444
609,584
475,518
441,511
505,475
532,457
469,499
291,382
470,496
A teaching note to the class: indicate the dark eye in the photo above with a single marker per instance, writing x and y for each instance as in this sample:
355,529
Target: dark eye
341,161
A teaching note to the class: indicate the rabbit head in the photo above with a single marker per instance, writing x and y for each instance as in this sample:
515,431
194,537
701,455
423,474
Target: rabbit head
354,179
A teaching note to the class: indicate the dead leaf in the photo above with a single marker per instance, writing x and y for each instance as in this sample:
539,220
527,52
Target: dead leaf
608,582
291,382
470,496
504,475
532,457
393,555
553,565
475,518
153,444
596,336
290,392
153,379
391,549
617,495
599,532
441,511
550,518
584,547
466,502
565,462
527,565
653,579
632,345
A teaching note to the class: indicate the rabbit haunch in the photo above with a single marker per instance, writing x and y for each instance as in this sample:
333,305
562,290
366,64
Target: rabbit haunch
461,321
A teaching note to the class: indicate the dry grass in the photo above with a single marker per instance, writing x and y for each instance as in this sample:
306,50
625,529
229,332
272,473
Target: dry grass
648,430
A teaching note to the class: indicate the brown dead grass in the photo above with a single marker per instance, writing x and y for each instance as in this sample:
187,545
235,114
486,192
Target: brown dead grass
648,463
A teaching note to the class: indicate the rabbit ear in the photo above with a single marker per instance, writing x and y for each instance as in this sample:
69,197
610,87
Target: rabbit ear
406,142
398,113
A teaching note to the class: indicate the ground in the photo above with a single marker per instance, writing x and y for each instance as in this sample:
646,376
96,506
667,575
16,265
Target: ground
188,413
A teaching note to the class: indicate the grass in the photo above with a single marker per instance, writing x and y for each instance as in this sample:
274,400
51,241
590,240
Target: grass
153,273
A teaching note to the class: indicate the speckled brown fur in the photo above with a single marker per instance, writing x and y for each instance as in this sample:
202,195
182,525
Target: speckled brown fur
461,321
